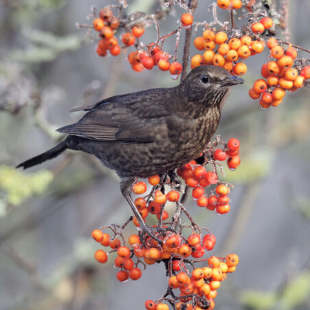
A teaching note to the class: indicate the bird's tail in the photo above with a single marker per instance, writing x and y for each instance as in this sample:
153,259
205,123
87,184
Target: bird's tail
53,152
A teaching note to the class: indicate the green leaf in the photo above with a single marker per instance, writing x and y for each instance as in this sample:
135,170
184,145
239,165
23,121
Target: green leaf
259,300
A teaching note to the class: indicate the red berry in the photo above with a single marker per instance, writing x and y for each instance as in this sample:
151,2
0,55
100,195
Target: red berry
219,155
233,144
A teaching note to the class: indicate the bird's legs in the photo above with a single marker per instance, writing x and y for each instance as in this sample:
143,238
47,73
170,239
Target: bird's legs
125,186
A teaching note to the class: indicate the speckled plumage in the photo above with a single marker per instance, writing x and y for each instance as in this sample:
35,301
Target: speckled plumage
152,131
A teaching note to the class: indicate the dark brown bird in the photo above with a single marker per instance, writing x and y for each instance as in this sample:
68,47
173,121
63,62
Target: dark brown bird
149,132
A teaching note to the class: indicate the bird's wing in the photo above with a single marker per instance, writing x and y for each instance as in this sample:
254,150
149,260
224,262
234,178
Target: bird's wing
129,118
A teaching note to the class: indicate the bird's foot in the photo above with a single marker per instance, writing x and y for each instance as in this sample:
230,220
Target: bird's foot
150,235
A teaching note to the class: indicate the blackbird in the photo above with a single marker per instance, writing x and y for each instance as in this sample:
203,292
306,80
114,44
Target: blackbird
149,132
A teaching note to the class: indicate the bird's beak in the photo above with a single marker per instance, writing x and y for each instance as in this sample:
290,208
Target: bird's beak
233,80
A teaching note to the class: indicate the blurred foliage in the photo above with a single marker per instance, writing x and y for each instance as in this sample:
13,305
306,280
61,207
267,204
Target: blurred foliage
295,293
45,46
302,204
16,187
252,168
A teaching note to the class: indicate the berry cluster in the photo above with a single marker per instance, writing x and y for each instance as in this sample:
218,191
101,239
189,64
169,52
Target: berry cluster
283,72
220,50
175,243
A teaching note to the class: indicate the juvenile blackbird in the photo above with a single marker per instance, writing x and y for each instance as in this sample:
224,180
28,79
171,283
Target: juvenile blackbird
149,132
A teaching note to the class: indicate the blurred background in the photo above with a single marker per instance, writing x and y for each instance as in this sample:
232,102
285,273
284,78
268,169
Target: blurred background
47,67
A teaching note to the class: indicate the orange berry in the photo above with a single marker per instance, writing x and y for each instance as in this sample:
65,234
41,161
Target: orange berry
267,22
185,250
202,201
101,256
285,61
140,203
223,209
232,260
258,27
98,24
221,37
234,43
162,307
275,103
175,68
214,285
208,56
193,239
244,51
272,42
139,188
154,180
272,81
137,31
134,240
236,4
159,197
105,13
128,39
222,189
135,274
232,163
285,84
240,68
223,4
106,32
258,46
218,60
246,40
173,282
253,94
299,81
291,51
163,64
210,45
209,35
119,262
183,278
138,67
264,104
128,263
266,98
223,266
277,52
187,19
196,61
105,240
228,66
197,274
205,289
217,273
213,261
278,93
223,49
305,72
199,43
150,305
123,251
101,51
264,71
173,196
115,243
273,68
122,275
116,50
97,234
260,86
232,55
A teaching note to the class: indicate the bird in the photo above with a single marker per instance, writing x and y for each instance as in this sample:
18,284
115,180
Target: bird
149,132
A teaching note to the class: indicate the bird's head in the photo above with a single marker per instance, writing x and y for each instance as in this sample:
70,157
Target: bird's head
208,84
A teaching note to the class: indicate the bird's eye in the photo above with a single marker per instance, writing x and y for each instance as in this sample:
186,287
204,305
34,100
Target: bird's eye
204,79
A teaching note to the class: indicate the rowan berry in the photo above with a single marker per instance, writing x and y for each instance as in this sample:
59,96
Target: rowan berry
305,72
97,234
150,305
260,86
234,43
101,256
233,162
199,43
223,209
291,51
119,262
222,189
135,273
196,61
139,188
285,84
115,243
278,93
236,4
220,37
128,264
105,240
128,39
246,40
228,66
106,32
163,64
185,250
267,98
115,50
277,52
137,31
258,28
272,81
210,45
218,60
209,35
187,19
162,307
98,24
232,260
244,51
232,55
223,4
122,275
202,201
197,192
253,94
208,56
273,68
114,22
223,49
175,68
258,46
212,202
285,61
193,239
173,196
299,81
138,67
267,22
240,68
